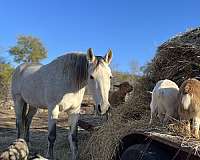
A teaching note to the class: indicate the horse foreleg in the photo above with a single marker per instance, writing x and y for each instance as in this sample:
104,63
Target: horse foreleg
31,112
72,136
52,118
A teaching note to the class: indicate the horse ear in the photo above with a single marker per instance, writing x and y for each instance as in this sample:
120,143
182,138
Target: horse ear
108,56
90,55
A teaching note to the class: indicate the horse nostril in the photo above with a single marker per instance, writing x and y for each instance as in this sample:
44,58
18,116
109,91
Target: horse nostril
99,108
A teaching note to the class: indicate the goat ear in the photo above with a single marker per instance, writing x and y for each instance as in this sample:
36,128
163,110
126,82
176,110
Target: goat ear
90,55
108,56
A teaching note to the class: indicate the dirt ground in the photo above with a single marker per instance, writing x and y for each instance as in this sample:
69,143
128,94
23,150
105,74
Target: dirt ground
38,137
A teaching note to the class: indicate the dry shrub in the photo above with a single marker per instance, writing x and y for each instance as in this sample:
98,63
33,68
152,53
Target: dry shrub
177,59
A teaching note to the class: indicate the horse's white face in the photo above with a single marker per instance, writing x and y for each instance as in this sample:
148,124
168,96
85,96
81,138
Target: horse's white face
99,78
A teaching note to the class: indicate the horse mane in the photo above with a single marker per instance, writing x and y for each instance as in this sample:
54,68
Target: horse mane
74,68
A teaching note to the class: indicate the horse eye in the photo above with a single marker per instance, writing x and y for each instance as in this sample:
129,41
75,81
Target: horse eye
110,77
91,77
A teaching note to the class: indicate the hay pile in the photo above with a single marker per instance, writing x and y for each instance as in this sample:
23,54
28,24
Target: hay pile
177,59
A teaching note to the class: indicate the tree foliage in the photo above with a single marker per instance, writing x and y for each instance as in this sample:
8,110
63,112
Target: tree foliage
5,78
5,73
28,49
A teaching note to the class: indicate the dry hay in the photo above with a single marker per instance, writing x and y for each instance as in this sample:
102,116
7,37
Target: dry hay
177,59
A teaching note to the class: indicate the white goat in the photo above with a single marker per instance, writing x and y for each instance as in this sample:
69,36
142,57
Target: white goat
164,100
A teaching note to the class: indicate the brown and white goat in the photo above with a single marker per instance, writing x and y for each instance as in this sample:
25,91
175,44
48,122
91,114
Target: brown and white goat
164,100
189,103
118,97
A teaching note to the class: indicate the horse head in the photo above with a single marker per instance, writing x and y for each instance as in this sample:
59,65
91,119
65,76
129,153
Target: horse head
99,77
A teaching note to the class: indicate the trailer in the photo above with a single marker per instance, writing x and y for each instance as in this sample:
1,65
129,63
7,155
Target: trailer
157,146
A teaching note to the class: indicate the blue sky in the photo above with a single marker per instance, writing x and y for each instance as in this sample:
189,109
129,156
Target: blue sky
133,29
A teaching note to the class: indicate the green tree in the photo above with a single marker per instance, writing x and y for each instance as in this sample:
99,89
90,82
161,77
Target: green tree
28,49
6,71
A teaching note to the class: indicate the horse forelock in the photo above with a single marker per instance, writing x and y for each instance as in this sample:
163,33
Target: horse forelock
99,60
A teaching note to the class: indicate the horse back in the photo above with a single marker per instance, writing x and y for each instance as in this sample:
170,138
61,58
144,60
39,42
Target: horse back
20,74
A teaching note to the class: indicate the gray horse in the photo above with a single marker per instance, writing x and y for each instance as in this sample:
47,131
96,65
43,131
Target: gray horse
60,84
